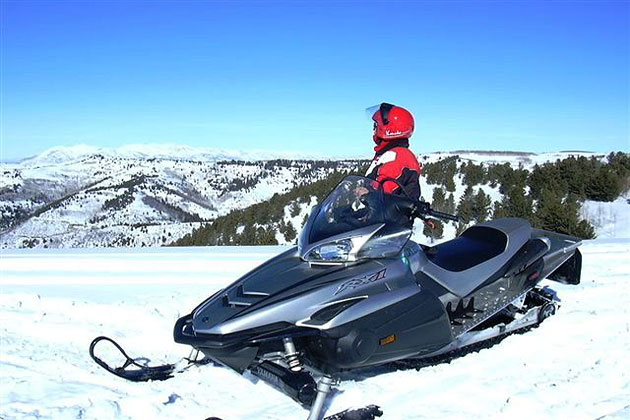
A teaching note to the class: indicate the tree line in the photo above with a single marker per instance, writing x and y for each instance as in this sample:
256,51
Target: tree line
258,224
548,195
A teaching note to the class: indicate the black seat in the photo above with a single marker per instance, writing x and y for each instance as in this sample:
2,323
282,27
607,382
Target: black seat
476,245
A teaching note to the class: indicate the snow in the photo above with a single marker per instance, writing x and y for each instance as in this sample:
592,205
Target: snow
54,302
611,220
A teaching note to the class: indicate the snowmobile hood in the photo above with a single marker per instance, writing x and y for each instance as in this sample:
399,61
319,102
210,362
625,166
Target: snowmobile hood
280,290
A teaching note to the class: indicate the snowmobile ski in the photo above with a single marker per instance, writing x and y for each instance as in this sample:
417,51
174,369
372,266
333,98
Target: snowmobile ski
133,371
366,413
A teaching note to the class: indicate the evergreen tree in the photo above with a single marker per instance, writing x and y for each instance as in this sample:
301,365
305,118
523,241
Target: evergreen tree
294,208
546,175
266,236
449,205
604,186
465,209
450,184
619,163
437,232
438,200
514,204
473,174
288,231
481,206
558,215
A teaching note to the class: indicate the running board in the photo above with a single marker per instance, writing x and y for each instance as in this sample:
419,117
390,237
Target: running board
529,318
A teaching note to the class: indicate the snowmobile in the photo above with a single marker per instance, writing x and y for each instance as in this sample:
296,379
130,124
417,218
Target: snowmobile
357,292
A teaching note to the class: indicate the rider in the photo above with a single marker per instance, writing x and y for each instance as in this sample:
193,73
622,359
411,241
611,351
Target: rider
393,125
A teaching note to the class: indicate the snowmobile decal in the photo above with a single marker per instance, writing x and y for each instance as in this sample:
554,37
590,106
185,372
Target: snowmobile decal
361,281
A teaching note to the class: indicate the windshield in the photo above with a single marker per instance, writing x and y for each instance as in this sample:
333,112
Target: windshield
355,203
356,220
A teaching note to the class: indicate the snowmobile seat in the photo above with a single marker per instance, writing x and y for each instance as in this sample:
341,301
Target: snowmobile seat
462,264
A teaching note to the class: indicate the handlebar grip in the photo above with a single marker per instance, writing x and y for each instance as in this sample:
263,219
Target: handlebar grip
424,209
445,216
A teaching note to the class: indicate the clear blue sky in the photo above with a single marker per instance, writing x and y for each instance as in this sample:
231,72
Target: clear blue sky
510,75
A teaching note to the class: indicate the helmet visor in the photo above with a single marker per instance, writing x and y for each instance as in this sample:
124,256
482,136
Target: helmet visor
369,112
383,108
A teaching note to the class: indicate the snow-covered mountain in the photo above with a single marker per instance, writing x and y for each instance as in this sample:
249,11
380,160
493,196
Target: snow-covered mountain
90,197
151,195
61,154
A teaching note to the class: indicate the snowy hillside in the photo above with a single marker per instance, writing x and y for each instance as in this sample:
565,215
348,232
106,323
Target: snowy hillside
474,184
87,197
611,220
53,302
151,195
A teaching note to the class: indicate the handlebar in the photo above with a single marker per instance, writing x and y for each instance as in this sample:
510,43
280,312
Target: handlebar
424,209
445,216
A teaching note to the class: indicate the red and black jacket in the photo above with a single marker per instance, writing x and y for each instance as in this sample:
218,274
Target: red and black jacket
393,159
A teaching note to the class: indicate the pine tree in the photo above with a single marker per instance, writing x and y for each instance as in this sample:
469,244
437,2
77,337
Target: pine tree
481,206
449,205
604,186
437,232
288,231
294,208
438,200
450,184
473,174
465,208
558,215
514,204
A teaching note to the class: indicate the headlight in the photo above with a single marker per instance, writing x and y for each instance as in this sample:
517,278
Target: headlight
385,244
336,251
377,243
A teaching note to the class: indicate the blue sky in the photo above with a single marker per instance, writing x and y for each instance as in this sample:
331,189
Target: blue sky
297,76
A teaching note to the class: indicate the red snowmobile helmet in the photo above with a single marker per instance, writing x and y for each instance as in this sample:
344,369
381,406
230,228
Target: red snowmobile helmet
391,122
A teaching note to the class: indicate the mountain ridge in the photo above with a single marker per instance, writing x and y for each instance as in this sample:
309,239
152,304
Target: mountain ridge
95,200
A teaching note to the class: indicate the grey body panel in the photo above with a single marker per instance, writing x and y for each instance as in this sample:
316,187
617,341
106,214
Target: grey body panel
561,248
462,283
290,295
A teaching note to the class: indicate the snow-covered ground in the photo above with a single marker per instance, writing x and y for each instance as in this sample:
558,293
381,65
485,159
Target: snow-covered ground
53,302
611,220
